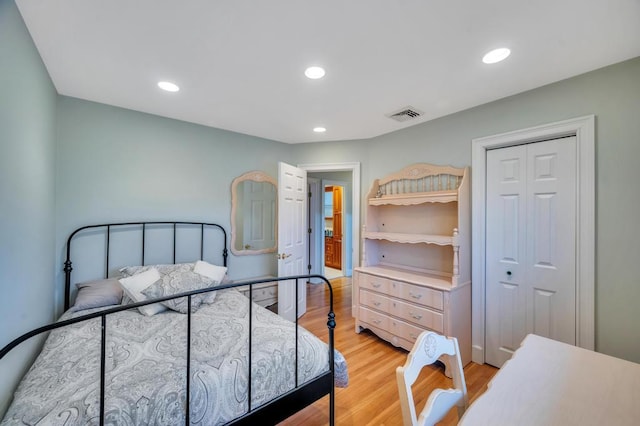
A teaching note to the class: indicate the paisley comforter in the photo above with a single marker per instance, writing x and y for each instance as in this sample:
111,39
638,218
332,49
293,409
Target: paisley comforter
146,367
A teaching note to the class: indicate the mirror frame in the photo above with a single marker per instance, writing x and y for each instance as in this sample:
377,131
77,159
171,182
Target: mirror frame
254,176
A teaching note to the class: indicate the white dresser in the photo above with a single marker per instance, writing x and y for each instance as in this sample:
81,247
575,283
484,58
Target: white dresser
264,294
416,266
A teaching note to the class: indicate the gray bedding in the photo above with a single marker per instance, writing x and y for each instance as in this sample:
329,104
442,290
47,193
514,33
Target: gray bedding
146,364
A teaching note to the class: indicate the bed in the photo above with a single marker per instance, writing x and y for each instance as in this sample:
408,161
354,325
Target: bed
206,355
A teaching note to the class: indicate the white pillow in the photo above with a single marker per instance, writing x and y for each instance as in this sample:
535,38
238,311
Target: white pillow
216,273
213,272
134,285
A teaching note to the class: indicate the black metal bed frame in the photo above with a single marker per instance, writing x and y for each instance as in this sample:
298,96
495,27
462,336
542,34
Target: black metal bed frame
271,412
68,267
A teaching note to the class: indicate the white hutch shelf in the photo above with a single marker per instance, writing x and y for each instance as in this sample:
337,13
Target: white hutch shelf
416,261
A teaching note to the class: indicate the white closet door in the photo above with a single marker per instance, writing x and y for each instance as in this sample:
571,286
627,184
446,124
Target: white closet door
551,235
506,251
531,251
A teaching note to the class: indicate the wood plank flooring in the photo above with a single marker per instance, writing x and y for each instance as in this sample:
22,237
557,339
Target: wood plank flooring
372,396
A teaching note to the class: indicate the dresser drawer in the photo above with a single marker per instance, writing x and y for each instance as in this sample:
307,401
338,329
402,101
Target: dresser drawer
406,331
261,294
421,295
423,317
372,282
374,300
373,318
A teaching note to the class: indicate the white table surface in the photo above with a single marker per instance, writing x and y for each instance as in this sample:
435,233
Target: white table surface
552,383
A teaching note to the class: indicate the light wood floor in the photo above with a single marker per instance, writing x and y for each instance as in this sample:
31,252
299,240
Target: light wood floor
372,396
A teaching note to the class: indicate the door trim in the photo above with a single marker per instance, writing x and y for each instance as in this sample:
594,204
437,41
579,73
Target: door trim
315,254
583,128
354,168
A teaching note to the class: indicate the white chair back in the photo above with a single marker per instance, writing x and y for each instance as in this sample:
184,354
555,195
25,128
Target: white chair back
430,347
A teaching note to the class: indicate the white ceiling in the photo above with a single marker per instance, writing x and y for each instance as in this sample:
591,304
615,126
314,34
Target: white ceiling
240,63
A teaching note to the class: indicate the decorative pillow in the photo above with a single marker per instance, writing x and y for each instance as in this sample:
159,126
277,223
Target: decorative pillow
134,285
98,293
129,271
179,281
217,274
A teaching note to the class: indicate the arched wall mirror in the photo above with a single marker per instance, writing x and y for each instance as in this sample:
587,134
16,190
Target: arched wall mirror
254,214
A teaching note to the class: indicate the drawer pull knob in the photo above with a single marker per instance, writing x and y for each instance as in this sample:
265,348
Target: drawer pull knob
415,316
415,296
376,303
375,285
413,336
376,322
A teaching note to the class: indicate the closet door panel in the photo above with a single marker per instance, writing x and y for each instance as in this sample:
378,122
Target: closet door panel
551,251
506,252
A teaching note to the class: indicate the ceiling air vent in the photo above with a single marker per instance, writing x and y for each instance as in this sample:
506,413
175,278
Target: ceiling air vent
405,114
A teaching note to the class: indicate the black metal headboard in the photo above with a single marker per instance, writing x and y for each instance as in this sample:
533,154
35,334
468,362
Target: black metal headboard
109,227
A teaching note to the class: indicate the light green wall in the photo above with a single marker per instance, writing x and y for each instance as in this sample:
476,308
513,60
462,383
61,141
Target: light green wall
115,165
27,173
613,95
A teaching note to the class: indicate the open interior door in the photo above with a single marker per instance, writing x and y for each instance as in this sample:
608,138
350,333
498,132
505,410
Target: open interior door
292,239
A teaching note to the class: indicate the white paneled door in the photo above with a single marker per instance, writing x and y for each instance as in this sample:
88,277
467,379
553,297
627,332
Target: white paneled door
292,239
530,245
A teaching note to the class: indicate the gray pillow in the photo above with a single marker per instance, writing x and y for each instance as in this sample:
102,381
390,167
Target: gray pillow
98,293
179,281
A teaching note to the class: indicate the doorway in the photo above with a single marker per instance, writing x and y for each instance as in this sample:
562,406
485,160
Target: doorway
330,223
583,129
333,224
351,217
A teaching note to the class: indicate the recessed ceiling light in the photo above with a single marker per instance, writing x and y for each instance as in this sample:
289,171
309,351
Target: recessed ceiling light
168,86
496,55
319,129
314,72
